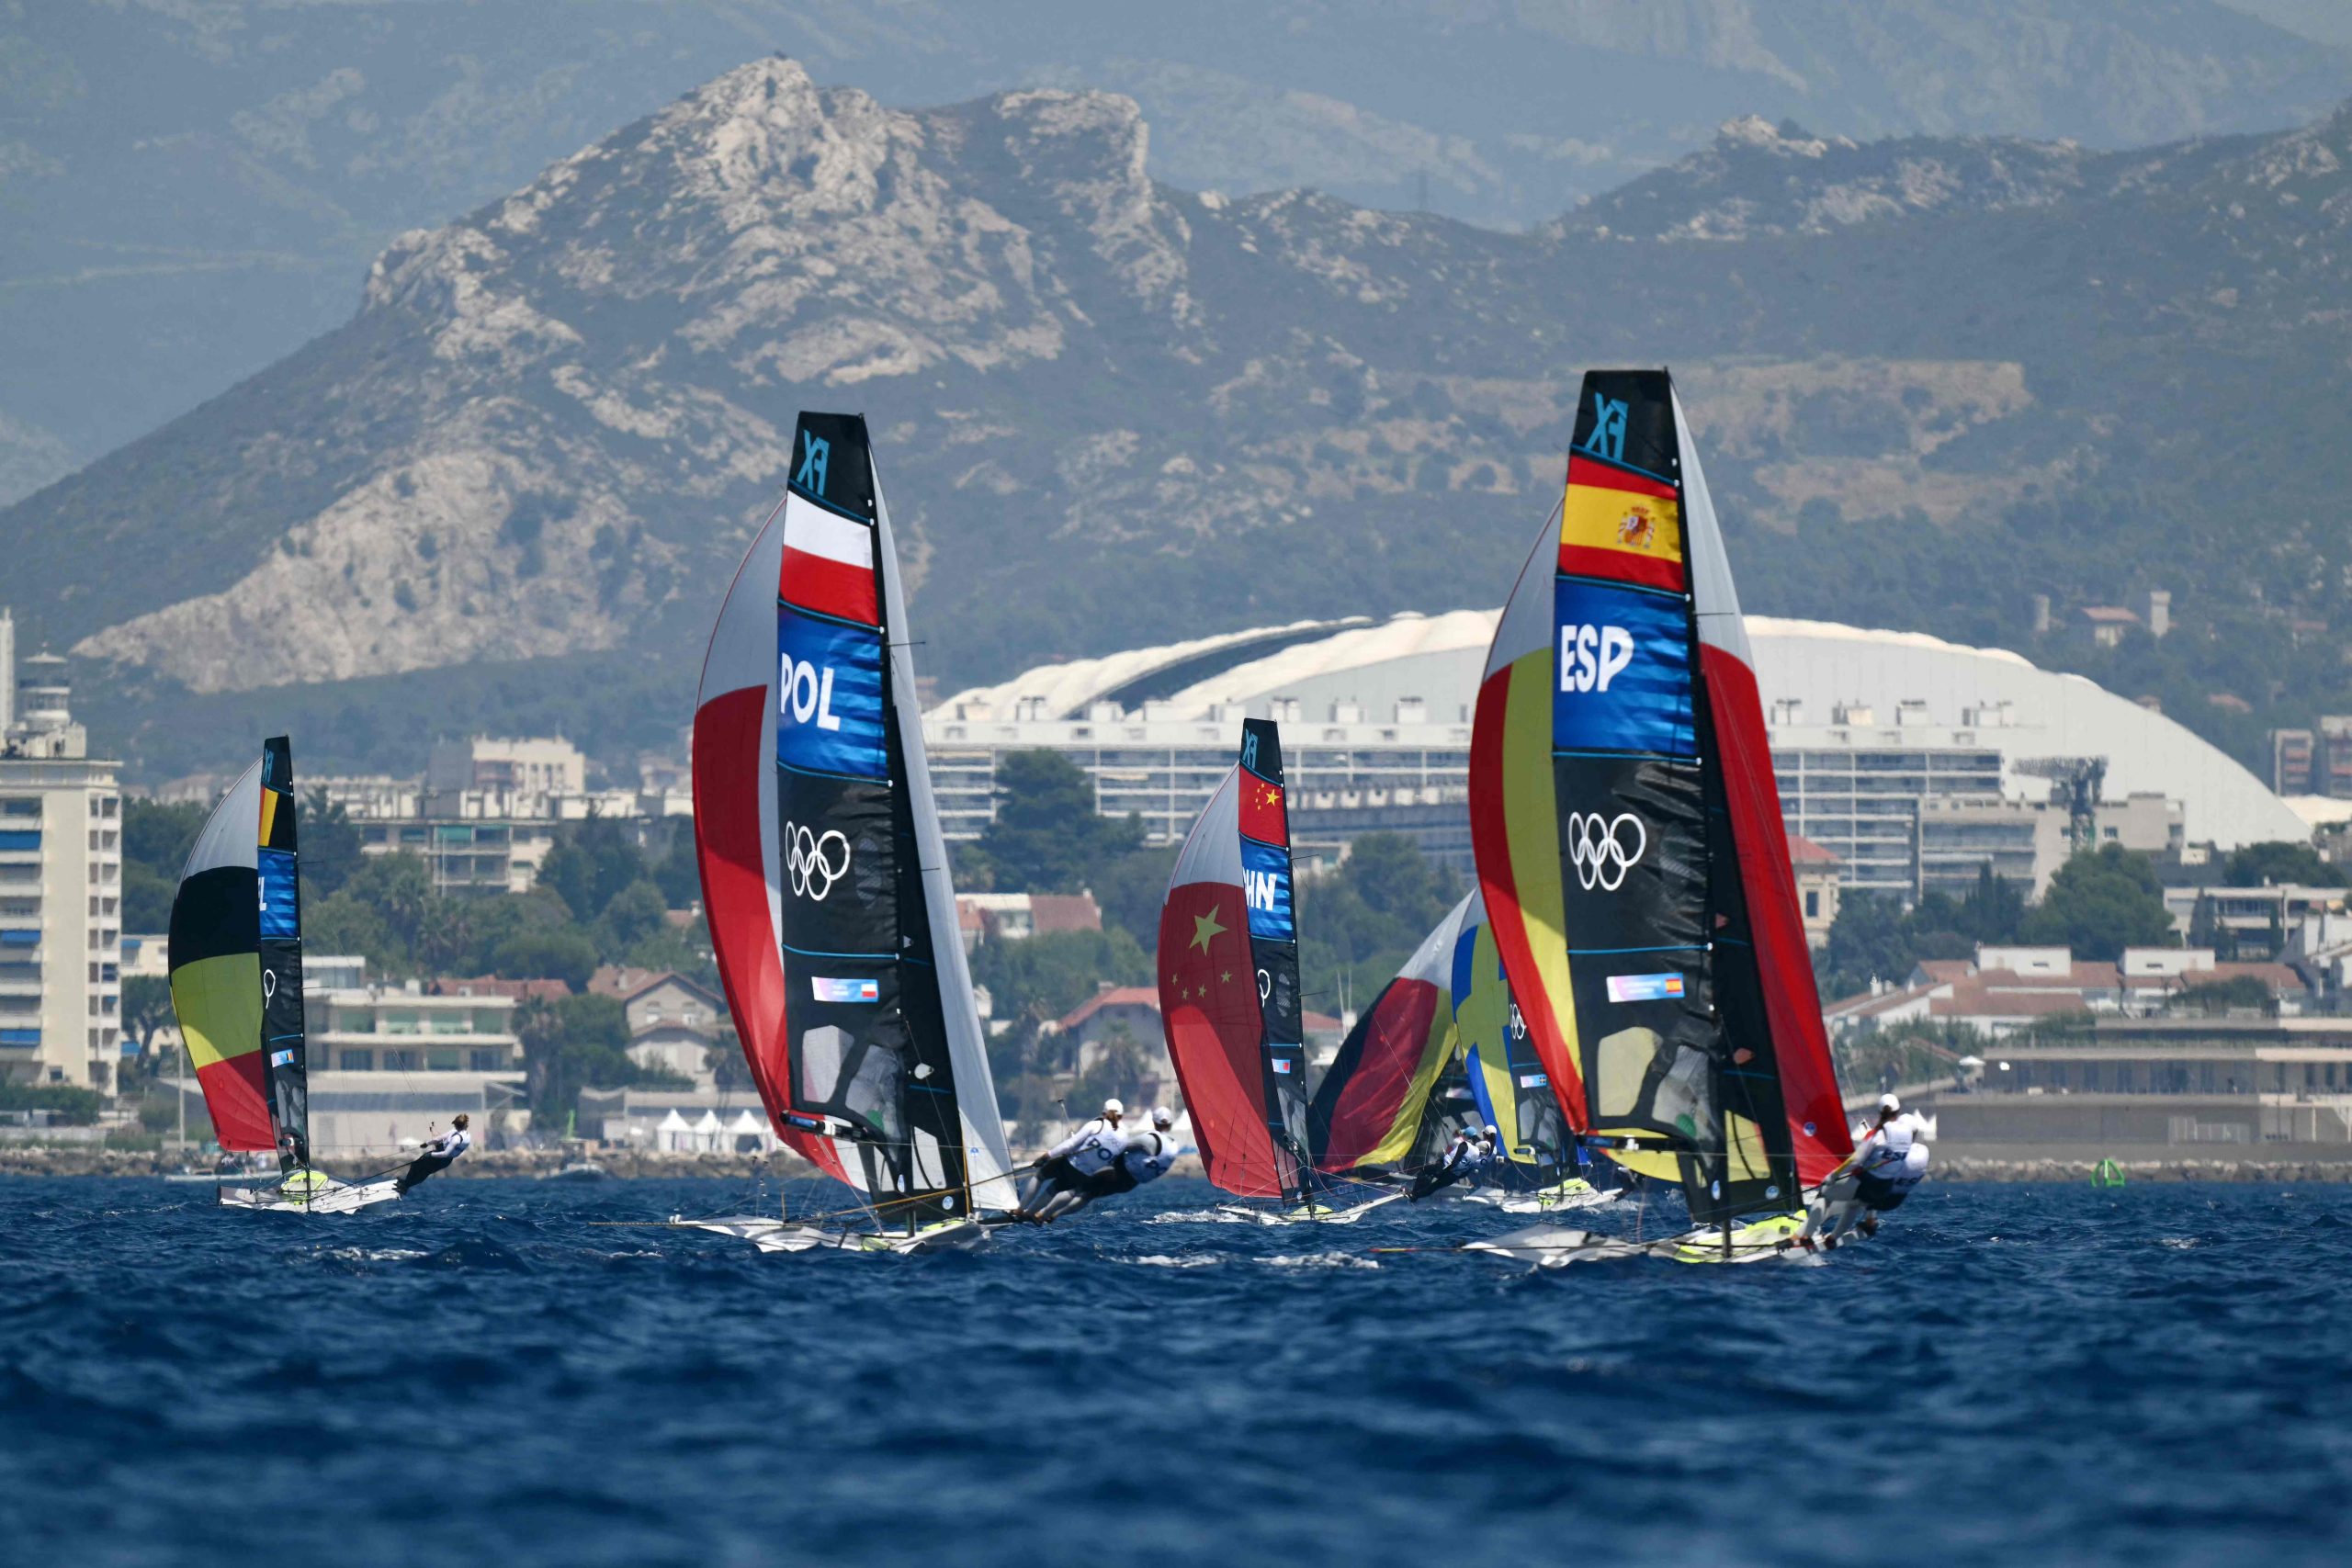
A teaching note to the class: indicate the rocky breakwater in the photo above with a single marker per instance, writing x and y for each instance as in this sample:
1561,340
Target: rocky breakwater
1965,1168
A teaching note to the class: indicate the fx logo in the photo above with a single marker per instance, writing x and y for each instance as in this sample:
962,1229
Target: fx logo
815,454
1607,437
803,692
1259,888
1591,657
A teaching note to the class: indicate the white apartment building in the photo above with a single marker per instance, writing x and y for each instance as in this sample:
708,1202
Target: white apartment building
503,777
61,884
391,1065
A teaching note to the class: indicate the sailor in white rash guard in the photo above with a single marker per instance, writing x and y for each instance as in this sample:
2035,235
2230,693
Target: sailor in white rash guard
437,1154
1890,1159
1144,1156
1070,1164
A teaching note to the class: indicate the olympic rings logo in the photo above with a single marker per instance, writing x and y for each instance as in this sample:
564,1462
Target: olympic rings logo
1598,851
809,858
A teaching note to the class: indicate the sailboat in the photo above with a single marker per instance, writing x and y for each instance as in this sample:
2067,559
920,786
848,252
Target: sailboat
1509,1085
824,874
1395,1091
1228,995
1628,836
236,980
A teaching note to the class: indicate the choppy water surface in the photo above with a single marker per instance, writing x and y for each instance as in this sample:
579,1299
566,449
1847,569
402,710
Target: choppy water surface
2011,1374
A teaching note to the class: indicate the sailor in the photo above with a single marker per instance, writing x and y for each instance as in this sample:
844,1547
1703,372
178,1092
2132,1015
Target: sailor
1890,1158
1458,1161
1489,1152
1143,1156
437,1154
1077,1159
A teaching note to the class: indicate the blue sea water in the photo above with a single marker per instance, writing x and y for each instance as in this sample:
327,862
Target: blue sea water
2010,1375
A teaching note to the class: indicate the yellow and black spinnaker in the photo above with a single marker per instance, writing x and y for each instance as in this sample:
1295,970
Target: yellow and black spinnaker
236,964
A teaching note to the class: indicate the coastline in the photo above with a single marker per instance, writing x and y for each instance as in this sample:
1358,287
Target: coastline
626,1165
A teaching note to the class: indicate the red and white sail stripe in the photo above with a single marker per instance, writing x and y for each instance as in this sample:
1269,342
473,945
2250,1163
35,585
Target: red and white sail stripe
736,827
1816,1111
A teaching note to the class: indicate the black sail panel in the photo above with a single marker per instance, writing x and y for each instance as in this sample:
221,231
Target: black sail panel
1273,948
868,1053
1661,974
285,1047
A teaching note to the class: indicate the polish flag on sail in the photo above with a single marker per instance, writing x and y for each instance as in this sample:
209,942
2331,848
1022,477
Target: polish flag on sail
828,562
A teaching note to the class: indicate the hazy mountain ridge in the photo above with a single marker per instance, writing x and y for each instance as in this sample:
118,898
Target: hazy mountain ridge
189,192
1110,412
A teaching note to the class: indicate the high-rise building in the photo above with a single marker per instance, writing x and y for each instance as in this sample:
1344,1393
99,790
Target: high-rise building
2290,761
61,884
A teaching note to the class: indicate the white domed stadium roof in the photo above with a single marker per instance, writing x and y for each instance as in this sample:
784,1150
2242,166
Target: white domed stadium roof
1824,685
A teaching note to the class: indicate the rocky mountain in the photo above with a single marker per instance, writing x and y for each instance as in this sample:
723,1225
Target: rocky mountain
508,491
190,191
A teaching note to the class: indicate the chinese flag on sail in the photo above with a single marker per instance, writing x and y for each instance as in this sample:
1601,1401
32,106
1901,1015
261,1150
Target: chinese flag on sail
1208,996
1262,811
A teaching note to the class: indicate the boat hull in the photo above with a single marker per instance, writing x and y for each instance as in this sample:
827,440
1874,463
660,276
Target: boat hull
1566,1197
783,1235
1558,1246
334,1198
1308,1214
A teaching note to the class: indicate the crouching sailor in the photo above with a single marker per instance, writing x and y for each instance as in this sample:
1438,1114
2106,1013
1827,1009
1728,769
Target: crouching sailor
437,1154
1460,1160
1143,1157
1070,1165
1890,1159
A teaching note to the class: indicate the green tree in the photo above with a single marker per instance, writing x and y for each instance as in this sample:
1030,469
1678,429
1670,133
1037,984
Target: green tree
346,924
398,888
677,874
2217,996
156,839
146,1008
1118,1070
630,916
2102,902
589,863
159,836
1993,911
1042,977
2278,864
574,1043
1358,924
329,842
147,896
1046,837
565,954
1130,888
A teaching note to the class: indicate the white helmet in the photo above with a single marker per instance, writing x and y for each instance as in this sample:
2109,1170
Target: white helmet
1491,1131
1112,1108
1163,1119
1888,1101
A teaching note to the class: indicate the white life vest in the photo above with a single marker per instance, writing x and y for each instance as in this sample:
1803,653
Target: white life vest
1098,1151
1148,1156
